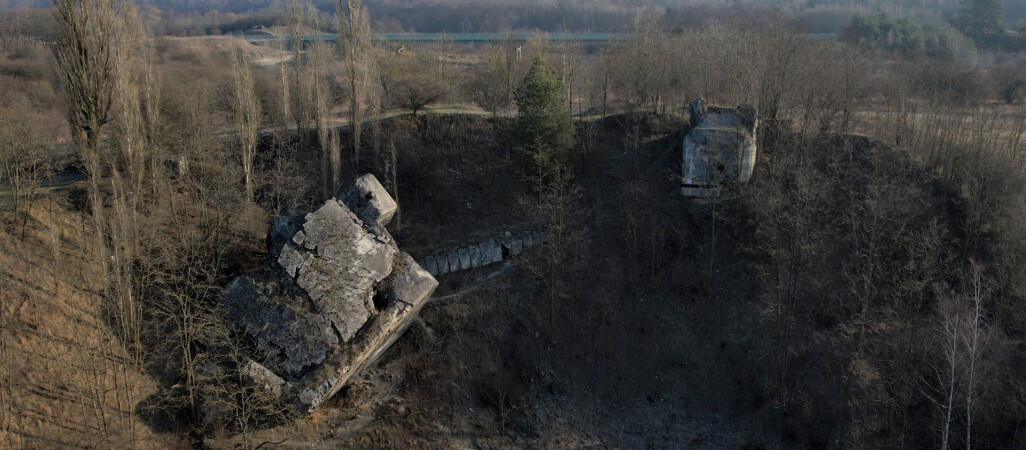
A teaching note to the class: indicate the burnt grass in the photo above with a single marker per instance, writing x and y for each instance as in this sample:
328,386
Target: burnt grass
661,334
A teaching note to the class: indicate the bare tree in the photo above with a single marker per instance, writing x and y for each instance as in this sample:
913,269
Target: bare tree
975,341
23,164
570,68
355,48
319,63
420,81
497,76
10,29
302,91
951,324
392,169
90,36
602,73
246,115
96,57
557,209
153,122
788,235
281,43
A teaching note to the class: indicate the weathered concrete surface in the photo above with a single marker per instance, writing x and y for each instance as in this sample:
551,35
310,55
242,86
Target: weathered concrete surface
369,200
334,293
719,149
280,232
454,261
336,261
263,378
406,294
494,250
475,256
442,264
289,337
482,253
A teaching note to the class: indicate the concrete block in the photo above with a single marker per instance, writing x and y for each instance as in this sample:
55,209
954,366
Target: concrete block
506,243
494,250
430,265
516,247
454,261
443,264
369,200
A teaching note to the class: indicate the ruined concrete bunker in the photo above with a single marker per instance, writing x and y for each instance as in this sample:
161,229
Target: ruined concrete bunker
334,293
719,149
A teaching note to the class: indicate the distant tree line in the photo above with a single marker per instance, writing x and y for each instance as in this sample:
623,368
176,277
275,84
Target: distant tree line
192,18
884,31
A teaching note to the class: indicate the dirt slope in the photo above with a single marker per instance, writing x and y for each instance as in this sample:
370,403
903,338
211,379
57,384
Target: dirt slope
59,364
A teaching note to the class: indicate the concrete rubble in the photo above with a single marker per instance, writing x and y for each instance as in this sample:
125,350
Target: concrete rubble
719,149
333,295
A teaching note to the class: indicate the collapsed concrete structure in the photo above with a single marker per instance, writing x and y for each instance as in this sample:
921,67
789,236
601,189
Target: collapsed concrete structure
719,149
333,295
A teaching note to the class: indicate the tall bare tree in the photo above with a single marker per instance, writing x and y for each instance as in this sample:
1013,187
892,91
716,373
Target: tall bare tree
246,115
95,51
571,57
302,96
319,61
89,37
355,48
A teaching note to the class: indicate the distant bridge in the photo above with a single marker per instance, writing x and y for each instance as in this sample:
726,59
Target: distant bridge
454,37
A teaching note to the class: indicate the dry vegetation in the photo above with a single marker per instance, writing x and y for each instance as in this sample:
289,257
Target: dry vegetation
63,385
864,290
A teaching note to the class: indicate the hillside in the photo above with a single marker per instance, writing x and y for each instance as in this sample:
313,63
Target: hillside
62,366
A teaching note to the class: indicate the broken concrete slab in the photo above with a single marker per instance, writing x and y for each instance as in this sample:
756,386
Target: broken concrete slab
329,301
405,295
263,378
281,230
292,340
506,243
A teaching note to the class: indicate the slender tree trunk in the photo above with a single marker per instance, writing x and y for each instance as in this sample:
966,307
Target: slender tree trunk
973,352
951,352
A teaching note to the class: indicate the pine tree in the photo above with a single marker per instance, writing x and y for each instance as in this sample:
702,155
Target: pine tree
543,128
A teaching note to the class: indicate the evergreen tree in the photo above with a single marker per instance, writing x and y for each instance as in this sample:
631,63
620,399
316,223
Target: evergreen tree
543,128
979,18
